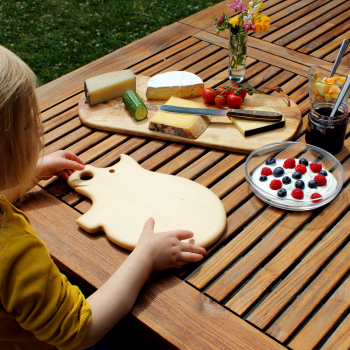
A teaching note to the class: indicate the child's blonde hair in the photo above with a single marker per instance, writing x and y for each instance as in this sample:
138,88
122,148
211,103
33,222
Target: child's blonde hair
20,125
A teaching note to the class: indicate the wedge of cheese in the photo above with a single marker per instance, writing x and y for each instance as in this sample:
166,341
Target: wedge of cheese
178,124
252,127
107,86
178,84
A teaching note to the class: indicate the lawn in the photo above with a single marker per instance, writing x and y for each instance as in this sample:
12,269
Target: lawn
55,37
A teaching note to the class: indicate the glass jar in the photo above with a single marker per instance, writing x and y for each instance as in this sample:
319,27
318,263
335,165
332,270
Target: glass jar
323,131
324,88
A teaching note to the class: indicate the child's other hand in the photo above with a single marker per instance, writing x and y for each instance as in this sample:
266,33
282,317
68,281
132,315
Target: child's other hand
60,163
165,250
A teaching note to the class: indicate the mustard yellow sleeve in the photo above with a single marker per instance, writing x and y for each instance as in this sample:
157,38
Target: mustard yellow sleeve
44,302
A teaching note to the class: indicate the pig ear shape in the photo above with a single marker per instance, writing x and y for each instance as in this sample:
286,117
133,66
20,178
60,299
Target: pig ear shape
81,178
127,160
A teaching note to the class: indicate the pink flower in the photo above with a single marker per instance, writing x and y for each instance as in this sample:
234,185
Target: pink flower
238,6
220,21
248,27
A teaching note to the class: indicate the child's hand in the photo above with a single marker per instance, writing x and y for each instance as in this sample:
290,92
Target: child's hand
165,250
60,163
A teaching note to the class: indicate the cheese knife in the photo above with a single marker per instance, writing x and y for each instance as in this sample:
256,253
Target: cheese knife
237,113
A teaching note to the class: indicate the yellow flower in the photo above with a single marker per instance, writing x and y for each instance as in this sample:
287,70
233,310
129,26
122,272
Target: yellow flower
257,27
262,24
234,21
265,19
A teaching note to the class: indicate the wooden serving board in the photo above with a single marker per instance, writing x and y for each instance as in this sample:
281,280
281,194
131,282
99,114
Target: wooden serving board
221,133
125,195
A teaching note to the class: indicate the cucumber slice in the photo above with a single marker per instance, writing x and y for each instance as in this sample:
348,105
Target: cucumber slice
135,105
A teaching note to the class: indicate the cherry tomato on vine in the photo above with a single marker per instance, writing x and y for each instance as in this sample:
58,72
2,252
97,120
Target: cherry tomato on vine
220,100
222,91
208,95
234,101
219,91
242,93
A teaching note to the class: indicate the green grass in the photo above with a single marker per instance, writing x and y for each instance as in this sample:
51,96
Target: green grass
55,37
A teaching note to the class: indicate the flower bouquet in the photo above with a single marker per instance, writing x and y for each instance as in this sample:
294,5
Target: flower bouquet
250,18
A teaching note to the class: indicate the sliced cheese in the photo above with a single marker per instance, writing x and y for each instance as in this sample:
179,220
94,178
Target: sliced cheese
107,86
178,124
178,84
252,127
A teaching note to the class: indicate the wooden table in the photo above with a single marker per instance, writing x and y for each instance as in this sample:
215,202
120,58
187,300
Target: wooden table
276,279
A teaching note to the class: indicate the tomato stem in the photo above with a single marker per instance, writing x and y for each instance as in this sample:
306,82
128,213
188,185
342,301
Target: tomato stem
236,90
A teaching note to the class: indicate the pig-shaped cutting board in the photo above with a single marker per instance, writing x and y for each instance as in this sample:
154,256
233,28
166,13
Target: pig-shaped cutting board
125,195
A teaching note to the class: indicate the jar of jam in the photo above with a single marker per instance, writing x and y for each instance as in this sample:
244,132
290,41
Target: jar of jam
323,131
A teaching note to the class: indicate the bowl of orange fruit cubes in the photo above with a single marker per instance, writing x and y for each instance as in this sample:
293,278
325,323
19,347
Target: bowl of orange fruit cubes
323,87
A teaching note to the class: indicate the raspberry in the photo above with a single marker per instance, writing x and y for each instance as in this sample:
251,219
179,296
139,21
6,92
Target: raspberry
266,171
321,180
316,195
289,163
297,193
315,167
275,184
301,168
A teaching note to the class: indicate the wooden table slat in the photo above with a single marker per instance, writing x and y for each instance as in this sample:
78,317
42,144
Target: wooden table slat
163,55
60,108
339,339
325,319
182,160
73,135
192,50
196,58
302,307
313,29
272,305
328,36
335,43
298,19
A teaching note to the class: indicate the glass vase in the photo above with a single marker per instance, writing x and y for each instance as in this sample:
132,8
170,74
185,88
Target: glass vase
237,56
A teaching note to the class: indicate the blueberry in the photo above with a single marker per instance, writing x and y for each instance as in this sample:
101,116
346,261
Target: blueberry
270,161
296,175
263,178
303,161
300,184
312,184
323,172
282,192
286,180
278,172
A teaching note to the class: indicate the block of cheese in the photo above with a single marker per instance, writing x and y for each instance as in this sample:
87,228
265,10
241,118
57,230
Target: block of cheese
252,127
178,124
107,86
178,84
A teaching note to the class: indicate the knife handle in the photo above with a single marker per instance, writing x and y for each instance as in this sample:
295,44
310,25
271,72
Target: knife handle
257,115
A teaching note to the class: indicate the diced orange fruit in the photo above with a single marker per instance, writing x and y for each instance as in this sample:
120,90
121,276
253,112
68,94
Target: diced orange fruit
334,89
342,79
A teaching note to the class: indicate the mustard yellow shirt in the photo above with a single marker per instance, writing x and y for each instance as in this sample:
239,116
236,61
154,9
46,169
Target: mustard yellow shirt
39,308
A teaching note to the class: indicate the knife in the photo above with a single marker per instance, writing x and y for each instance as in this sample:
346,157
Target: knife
237,113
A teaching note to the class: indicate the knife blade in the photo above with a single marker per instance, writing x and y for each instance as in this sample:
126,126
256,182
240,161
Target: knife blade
237,113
